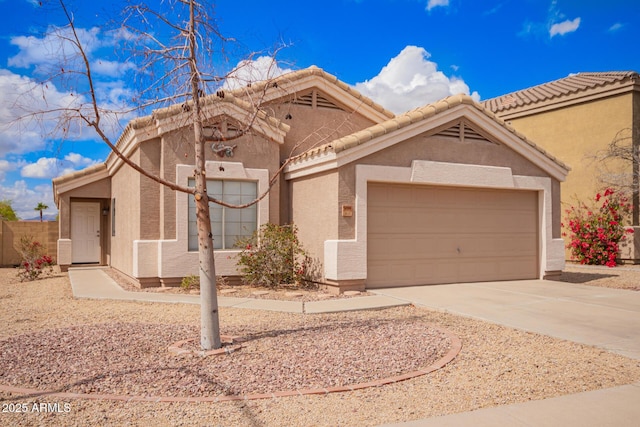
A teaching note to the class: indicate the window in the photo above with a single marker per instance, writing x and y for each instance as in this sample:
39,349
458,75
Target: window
227,224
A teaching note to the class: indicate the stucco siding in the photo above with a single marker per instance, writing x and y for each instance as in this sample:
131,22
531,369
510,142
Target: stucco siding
149,191
577,134
315,211
311,127
252,151
125,188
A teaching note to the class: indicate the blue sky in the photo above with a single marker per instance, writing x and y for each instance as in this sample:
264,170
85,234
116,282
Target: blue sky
401,53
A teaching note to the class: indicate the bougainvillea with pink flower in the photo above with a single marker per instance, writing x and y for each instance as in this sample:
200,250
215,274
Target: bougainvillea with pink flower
34,263
595,232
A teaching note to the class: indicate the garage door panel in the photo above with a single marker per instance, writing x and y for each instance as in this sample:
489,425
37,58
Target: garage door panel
423,235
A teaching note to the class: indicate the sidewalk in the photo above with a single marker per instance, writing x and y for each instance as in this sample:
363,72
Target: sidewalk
94,283
609,407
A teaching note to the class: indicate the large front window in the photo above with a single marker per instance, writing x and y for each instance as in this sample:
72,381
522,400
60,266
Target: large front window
227,224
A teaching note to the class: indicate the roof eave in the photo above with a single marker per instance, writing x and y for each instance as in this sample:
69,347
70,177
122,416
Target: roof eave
66,183
368,141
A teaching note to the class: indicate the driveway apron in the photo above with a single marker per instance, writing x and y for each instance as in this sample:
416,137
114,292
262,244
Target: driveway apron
602,317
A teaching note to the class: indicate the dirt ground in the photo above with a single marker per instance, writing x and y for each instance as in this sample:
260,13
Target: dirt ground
51,341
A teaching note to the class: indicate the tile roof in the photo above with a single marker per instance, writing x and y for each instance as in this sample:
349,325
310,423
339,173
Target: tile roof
573,85
238,97
413,116
177,109
295,76
90,170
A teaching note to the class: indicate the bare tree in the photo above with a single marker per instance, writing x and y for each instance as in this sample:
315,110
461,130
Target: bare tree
172,47
175,49
619,167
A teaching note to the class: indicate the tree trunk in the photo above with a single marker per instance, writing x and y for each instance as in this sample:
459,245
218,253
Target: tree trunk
209,319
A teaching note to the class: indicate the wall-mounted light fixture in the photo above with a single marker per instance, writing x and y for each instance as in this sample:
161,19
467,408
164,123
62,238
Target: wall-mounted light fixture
105,211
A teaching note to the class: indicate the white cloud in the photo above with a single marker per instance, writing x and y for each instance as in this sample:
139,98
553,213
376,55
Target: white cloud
29,112
437,3
555,24
616,27
53,48
45,167
24,199
410,80
112,68
562,28
251,71
5,166
79,160
50,167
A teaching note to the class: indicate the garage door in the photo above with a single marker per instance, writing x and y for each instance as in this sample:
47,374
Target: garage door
421,235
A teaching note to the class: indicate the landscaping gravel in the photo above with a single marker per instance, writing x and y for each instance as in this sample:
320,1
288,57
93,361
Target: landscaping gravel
52,341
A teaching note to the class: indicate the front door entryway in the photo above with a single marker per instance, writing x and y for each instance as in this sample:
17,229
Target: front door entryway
85,232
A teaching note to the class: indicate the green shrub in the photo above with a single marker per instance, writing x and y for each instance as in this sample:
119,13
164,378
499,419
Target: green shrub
273,256
190,282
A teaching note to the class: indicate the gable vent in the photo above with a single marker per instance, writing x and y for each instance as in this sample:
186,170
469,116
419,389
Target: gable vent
304,100
463,132
315,100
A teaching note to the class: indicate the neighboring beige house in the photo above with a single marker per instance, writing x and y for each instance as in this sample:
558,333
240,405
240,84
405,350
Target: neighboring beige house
444,193
576,118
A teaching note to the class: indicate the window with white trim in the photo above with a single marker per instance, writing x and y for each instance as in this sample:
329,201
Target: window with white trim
227,224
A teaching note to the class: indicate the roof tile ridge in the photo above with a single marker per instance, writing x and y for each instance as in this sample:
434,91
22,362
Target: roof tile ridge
82,172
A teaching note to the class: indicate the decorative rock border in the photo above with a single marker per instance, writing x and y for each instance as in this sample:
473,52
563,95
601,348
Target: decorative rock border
456,346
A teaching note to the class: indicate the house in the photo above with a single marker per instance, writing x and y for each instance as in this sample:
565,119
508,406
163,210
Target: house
577,118
444,193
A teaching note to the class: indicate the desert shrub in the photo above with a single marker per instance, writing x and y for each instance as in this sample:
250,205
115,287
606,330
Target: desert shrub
596,231
192,281
34,263
273,256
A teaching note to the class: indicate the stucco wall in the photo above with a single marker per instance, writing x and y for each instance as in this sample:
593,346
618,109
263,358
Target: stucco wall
177,149
149,191
316,211
576,134
311,127
125,188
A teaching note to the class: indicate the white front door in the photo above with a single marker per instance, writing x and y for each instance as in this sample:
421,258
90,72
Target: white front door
85,232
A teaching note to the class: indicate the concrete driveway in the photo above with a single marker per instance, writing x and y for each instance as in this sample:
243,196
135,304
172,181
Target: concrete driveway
603,317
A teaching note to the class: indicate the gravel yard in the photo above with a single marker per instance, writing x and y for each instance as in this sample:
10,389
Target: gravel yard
51,341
